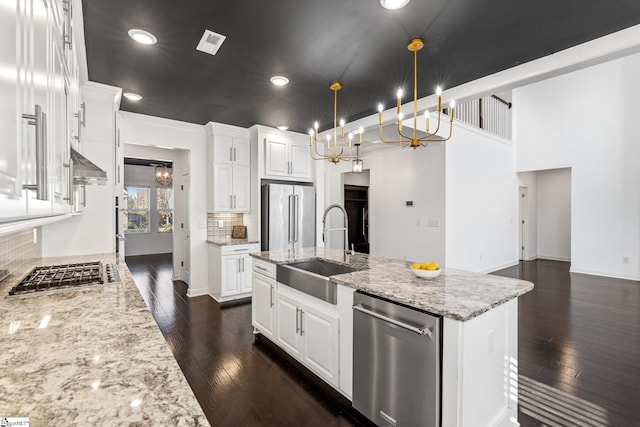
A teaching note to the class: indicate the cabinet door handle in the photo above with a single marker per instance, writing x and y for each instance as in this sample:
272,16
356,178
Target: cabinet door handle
234,154
297,324
301,324
238,265
83,122
66,27
242,261
270,295
69,197
84,195
39,121
231,154
230,202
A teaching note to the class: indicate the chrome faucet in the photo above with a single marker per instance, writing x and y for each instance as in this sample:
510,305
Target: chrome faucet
345,228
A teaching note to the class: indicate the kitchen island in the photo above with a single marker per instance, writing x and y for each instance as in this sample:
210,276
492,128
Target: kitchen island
89,356
479,327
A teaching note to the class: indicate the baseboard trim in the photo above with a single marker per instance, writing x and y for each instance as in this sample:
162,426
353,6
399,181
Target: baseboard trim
191,292
554,258
499,267
634,277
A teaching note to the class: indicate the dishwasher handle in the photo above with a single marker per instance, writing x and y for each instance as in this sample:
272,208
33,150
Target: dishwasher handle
418,330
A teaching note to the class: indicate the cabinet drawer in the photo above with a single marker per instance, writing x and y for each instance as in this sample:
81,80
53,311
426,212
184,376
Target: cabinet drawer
264,268
238,249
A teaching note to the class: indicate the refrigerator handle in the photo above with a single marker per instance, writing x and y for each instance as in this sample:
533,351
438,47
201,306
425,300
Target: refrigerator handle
290,220
295,212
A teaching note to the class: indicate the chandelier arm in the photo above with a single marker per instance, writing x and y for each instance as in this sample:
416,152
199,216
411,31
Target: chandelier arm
390,141
437,127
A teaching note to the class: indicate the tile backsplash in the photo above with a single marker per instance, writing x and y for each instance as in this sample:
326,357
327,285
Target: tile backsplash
18,251
214,231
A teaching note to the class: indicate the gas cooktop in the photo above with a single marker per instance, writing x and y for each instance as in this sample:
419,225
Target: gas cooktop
51,278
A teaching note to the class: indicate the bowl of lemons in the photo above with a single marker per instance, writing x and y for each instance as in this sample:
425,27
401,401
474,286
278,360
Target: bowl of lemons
426,270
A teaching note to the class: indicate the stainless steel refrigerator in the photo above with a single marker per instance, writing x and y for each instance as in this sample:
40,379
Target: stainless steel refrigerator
288,217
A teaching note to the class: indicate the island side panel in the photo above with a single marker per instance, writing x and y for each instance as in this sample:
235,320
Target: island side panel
480,378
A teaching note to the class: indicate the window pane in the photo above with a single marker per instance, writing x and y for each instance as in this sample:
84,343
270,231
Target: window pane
137,221
165,221
165,199
137,197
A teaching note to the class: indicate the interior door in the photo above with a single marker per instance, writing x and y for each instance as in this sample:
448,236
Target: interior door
186,240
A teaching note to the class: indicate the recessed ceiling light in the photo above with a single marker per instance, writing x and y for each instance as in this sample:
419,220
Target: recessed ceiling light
142,36
283,127
132,96
394,4
279,80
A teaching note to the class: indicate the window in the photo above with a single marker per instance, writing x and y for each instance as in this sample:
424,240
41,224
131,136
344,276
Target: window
164,204
137,203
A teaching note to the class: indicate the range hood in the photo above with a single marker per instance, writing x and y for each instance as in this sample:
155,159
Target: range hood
85,171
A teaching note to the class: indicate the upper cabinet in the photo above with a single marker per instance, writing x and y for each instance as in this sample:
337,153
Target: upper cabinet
35,113
286,158
229,168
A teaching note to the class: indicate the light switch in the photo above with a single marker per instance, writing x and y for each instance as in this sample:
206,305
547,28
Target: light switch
220,223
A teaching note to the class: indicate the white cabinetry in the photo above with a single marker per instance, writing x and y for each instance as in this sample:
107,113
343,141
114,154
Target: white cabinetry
309,331
287,159
34,108
263,297
230,268
229,168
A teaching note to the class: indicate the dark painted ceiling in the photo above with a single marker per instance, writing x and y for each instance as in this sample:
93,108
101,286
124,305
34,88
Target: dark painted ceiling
356,42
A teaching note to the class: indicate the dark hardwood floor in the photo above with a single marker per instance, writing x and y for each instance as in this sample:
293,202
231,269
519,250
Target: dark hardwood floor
579,347
579,352
237,382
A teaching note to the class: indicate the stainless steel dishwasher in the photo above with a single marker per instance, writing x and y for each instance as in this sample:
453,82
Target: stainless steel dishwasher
396,363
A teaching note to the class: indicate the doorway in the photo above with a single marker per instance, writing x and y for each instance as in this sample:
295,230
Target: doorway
356,203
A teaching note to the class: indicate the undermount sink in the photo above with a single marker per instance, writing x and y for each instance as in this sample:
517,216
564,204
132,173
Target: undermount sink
312,277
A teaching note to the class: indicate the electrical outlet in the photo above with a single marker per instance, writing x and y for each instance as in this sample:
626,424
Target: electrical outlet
220,223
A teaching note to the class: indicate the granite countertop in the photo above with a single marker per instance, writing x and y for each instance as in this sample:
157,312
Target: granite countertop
230,241
101,360
456,294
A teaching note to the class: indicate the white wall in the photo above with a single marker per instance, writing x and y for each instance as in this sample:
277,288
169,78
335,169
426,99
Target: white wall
481,201
554,214
138,129
93,231
152,242
587,120
395,176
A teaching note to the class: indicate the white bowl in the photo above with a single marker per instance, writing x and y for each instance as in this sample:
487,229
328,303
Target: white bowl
426,274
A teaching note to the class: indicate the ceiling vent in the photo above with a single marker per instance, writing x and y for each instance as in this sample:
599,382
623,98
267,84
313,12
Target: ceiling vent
210,42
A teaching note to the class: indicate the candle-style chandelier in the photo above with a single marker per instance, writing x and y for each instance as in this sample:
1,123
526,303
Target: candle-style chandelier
335,149
412,140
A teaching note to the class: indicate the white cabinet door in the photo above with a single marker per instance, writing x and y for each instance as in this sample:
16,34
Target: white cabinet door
276,158
230,272
241,151
320,341
246,267
38,78
10,112
262,303
222,149
287,326
241,189
300,161
222,187
59,139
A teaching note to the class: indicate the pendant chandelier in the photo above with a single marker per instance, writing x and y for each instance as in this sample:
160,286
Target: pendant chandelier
356,164
336,149
412,140
164,175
